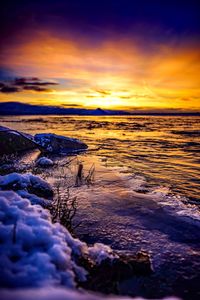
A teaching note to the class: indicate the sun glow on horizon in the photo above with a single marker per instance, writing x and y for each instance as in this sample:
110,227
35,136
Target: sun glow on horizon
111,75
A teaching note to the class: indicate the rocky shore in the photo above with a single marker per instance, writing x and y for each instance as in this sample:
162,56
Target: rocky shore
35,248
12,141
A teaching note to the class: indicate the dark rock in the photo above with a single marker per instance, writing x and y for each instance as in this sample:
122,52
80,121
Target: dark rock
59,144
12,141
107,276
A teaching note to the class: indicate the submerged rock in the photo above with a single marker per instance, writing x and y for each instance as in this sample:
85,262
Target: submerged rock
59,144
12,141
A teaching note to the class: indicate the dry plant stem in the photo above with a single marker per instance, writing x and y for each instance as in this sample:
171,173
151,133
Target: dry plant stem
79,175
64,208
90,177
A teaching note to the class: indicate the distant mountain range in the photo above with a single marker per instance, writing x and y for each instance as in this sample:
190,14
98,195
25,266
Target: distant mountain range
18,108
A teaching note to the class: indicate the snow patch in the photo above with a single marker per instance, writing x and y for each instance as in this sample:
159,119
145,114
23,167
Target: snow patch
60,294
35,252
34,199
16,181
100,252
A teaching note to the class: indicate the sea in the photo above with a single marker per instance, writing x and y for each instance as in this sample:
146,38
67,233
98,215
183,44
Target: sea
144,194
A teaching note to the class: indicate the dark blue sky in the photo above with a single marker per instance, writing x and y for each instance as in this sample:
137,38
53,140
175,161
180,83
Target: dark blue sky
99,18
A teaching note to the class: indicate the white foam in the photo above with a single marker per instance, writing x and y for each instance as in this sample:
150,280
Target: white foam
175,204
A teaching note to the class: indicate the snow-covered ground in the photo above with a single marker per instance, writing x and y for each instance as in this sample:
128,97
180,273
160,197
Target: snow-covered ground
27,182
35,252
39,259
49,293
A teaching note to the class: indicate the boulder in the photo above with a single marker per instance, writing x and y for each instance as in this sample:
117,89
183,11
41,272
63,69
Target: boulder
12,141
112,272
59,144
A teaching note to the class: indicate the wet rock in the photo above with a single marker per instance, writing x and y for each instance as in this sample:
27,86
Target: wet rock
107,276
12,141
59,144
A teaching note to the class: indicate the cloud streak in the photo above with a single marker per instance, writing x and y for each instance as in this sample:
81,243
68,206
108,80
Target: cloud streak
26,84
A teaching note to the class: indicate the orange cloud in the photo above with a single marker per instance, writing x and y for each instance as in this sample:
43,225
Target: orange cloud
113,74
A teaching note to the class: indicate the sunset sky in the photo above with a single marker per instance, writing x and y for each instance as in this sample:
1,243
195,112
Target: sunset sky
121,54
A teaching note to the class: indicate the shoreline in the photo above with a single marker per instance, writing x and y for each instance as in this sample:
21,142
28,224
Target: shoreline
114,209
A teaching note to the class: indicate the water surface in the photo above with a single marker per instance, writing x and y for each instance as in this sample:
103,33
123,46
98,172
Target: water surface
145,192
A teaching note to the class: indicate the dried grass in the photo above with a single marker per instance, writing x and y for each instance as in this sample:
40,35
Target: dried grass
64,207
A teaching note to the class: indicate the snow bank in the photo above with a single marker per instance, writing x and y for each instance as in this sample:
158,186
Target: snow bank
28,182
59,294
44,162
34,199
34,251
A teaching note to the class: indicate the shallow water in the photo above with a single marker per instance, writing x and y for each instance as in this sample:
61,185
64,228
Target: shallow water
165,150
145,194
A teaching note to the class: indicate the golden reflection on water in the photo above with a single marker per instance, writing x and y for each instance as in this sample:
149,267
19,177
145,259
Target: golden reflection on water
165,150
